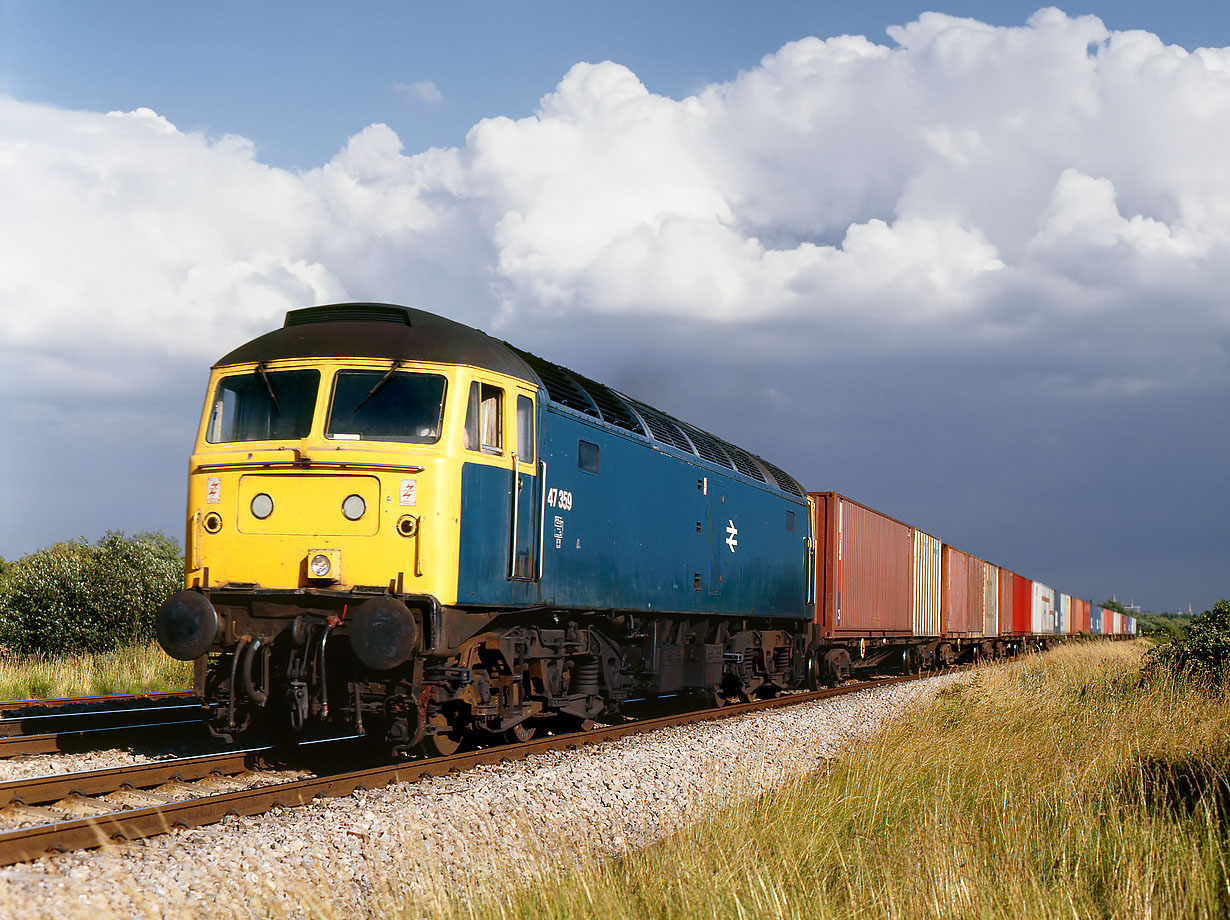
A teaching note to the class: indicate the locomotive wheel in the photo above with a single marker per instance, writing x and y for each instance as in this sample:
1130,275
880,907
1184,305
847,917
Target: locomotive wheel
441,744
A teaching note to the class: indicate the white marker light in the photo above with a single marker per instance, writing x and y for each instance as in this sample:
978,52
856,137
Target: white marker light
353,507
262,506
320,565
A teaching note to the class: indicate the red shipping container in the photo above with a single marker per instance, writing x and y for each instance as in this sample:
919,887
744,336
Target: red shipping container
1022,604
864,570
1080,619
1007,593
963,593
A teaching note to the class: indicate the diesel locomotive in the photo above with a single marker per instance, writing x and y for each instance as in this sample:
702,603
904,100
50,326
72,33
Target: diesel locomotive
401,526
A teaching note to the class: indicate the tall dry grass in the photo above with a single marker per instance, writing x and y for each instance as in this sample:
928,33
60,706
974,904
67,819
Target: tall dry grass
1058,786
125,670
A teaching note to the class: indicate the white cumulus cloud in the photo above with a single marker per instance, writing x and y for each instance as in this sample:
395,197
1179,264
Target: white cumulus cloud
1052,190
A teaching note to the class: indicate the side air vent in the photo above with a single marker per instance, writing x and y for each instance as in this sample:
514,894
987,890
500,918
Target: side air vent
349,313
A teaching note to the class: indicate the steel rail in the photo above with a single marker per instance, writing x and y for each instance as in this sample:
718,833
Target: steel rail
74,741
64,701
49,723
40,790
24,844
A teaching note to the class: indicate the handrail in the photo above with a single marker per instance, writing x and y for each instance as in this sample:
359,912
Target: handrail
306,464
516,510
542,514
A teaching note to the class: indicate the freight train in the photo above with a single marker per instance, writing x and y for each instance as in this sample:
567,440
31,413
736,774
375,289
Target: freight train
400,526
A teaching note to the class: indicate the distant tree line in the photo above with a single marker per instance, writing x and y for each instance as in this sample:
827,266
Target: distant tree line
83,597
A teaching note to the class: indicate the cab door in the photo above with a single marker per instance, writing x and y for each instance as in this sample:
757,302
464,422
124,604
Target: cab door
525,513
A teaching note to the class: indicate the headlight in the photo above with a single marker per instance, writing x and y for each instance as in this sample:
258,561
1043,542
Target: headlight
353,507
320,565
262,506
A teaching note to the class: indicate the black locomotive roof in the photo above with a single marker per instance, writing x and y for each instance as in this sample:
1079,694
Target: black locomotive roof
376,330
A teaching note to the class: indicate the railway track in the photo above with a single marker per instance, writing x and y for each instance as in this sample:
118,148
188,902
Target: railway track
78,723
88,810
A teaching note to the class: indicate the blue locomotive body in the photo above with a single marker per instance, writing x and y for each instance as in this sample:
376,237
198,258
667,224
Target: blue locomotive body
617,521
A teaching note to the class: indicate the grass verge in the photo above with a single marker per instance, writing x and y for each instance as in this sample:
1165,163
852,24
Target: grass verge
126,670
1062,785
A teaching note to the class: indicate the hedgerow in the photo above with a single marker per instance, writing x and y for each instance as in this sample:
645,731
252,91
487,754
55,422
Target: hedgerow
1203,651
78,596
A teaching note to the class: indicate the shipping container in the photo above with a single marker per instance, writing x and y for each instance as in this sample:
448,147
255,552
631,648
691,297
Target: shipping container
1096,619
1132,626
1063,613
1007,582
1042,610
928,584
990,599
1080,617
864,570
1022,605
963,594
1117,628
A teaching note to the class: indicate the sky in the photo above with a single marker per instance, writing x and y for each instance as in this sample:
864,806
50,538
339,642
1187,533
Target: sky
967,265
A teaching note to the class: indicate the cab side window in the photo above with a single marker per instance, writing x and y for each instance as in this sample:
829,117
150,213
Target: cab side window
484,429
525,429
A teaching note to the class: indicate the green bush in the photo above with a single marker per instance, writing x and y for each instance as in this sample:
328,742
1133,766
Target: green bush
76,597
1203,651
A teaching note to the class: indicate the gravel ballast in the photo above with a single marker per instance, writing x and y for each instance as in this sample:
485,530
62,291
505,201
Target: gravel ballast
375,851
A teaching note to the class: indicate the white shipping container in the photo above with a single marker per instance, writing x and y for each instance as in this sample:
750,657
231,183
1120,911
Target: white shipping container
1063,613
1042,613
928,581
990,599
1118,627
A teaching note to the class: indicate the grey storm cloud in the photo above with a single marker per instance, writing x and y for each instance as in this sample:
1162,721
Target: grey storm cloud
985,265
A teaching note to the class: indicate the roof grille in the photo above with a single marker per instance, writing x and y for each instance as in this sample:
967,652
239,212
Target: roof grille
570,389
709,448
349,313
784,480
744,462
664,428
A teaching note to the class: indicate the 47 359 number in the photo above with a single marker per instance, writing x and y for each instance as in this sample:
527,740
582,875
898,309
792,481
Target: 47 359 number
560,498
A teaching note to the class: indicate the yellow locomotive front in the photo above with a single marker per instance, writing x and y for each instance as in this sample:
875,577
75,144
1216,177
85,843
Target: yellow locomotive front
325,474
324,511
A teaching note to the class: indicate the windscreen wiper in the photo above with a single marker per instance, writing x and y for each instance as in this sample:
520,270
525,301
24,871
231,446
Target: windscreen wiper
379,385
264,375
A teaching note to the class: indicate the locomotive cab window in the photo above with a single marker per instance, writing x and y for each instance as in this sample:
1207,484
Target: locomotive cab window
484,429
525,429
587,457
263,406
386,406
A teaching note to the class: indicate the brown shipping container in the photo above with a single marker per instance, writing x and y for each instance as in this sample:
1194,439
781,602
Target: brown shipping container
963,593
864,570
1006,596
